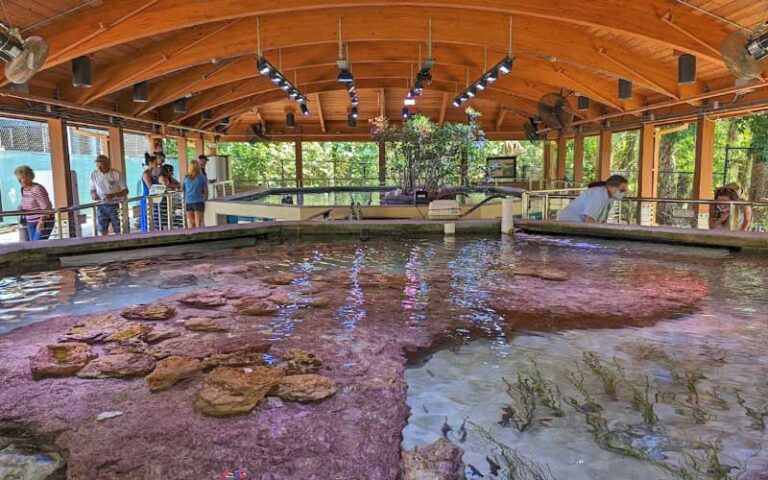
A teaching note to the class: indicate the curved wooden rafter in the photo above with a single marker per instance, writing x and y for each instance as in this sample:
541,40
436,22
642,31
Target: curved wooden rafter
538,38
120,21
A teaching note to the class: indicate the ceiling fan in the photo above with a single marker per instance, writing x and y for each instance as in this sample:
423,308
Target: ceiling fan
555,111
23,57
745,53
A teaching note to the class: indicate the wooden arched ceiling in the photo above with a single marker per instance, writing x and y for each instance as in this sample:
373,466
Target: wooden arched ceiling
206,51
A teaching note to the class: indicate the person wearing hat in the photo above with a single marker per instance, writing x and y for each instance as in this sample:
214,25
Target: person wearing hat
720,213
107,186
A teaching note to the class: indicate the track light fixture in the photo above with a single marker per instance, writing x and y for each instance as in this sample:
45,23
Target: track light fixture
345,76
406,113
352,120
304,109
504,67
424,77
275,76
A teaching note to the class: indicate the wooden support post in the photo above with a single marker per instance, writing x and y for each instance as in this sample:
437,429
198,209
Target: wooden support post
561,151
299,164
647,173
158,144
116,148
382,163
183,158
578,160
199,146
549,154
60,168
604,158
702,175
63,195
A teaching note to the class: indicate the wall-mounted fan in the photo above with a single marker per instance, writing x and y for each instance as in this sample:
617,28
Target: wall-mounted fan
532,130
555,111
23,57
745,53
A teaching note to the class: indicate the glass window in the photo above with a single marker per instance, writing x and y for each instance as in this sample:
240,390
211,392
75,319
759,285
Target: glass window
22,142
136,145
85,144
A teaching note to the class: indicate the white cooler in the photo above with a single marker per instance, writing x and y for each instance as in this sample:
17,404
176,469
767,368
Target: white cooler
444,210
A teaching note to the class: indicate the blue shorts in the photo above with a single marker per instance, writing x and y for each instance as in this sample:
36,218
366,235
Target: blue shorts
196,207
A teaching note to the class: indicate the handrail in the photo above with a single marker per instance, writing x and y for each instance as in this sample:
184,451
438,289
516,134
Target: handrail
74,208
669,200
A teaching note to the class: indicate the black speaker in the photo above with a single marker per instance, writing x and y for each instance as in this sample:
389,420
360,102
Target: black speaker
224,121
141,92
208,114
22,88
686,69
625,89
583,103
81,72
290,119
180,106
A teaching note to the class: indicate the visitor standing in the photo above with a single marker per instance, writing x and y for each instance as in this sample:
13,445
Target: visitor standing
166,178
594,205
160,156
195,195
720,213
34,197
147,180
203,161
108,186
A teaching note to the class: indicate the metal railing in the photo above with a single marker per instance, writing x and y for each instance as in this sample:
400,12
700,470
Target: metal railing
662,212
221,189
164,211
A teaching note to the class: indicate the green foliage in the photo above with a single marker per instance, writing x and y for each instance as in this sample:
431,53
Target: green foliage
428,155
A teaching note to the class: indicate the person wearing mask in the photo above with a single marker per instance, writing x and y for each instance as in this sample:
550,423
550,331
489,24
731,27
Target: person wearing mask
720,213
594,205
108,186
147,180
195,195
34,197
166,177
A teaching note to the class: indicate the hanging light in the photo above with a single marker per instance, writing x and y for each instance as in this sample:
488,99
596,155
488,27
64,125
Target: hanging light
264,66
345,76
304,109
505,67
406,113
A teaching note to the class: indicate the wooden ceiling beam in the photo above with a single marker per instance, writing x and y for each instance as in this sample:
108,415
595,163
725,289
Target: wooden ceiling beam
319,104
120,21
535,38
444,107
500,117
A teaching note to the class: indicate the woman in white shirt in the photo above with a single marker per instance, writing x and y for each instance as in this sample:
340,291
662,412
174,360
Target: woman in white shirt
594,205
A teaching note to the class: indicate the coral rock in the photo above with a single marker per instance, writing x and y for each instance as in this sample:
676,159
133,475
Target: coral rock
545,273
60,360
305,388
235,391
171,370
203,301
280,299
438,461
128,331
121,365
299,362
255,307
149,312
204,325
133,345
94,330
282,278
239,352
158,335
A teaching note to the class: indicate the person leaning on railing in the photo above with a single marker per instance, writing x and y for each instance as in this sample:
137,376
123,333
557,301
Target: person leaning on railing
720,213
34,197
108,186
594,205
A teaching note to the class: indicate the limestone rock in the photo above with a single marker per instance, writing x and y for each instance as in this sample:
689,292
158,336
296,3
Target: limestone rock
235,391
187,346
300,362
382,280
93,330
280,299
128,331
238,353
235,270
305,388
199,324
335,277
174,279
545,273
121,365
60,360
16,464
171,370
438,461
255,307
203,301
282,278
149,312
160,334
318,302
133,345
